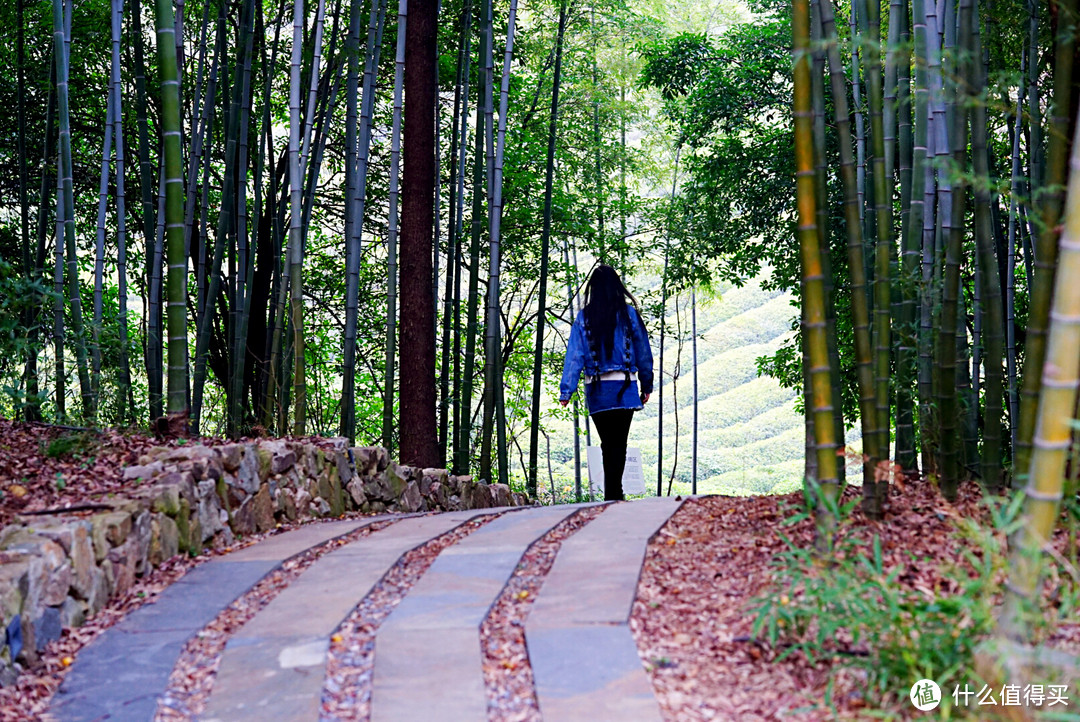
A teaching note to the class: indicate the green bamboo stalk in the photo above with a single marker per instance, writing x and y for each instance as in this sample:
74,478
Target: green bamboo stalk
1010,283
541,316
461,412
493,324
296,232
61,34
813,286
99,252
153,350
452,265
1056,407
884,255
856,260
47,183
241,304
912,187
990,287
357,204
464,438
127,397
490,312
174,211
1050,213
946,359
392,233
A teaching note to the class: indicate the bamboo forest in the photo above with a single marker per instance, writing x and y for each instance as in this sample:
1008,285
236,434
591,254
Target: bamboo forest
245,242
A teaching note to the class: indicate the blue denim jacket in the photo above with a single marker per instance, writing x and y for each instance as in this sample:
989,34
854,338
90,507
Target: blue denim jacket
630,352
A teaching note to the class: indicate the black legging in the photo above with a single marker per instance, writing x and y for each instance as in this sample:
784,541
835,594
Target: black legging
613,428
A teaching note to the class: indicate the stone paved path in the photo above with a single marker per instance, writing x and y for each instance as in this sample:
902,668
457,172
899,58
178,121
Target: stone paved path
427,652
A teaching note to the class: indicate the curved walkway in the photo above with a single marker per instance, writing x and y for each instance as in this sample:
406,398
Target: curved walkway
427,652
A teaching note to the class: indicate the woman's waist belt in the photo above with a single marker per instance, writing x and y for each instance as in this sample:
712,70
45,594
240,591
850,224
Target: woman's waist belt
611,376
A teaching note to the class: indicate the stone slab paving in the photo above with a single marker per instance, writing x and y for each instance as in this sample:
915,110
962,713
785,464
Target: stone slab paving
583,656
273,667
428,659
120,675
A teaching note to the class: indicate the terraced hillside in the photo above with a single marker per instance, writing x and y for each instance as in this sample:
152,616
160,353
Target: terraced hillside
750,437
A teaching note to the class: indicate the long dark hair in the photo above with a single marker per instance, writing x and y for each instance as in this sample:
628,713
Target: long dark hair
605,306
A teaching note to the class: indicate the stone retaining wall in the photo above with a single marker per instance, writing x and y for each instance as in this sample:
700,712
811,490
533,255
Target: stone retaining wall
56,570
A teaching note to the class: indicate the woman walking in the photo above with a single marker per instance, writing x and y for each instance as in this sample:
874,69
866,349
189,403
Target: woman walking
609,343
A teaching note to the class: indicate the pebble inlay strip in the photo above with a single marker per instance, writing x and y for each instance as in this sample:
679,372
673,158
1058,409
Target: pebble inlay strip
351,658
508,679
193,677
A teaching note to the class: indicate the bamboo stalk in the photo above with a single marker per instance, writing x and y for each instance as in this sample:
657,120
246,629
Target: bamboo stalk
1050,213
1057,403
174,211
493,323
883,256
392,232
534,427
477,222
1010,283
296,232
950,471
99,252
990,288
813,285
856,260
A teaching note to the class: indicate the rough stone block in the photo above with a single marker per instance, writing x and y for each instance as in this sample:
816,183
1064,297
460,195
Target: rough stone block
73,613
356,491
144,472
47,627
262,506
501,495
230,456
395,480
286,502
281,456
410,500
123,559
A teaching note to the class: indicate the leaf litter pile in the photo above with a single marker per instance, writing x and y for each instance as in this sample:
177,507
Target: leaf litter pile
508,680
693,621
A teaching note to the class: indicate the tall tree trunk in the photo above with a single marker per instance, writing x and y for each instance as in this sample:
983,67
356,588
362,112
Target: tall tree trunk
663,329
391,240
419,438
541,316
